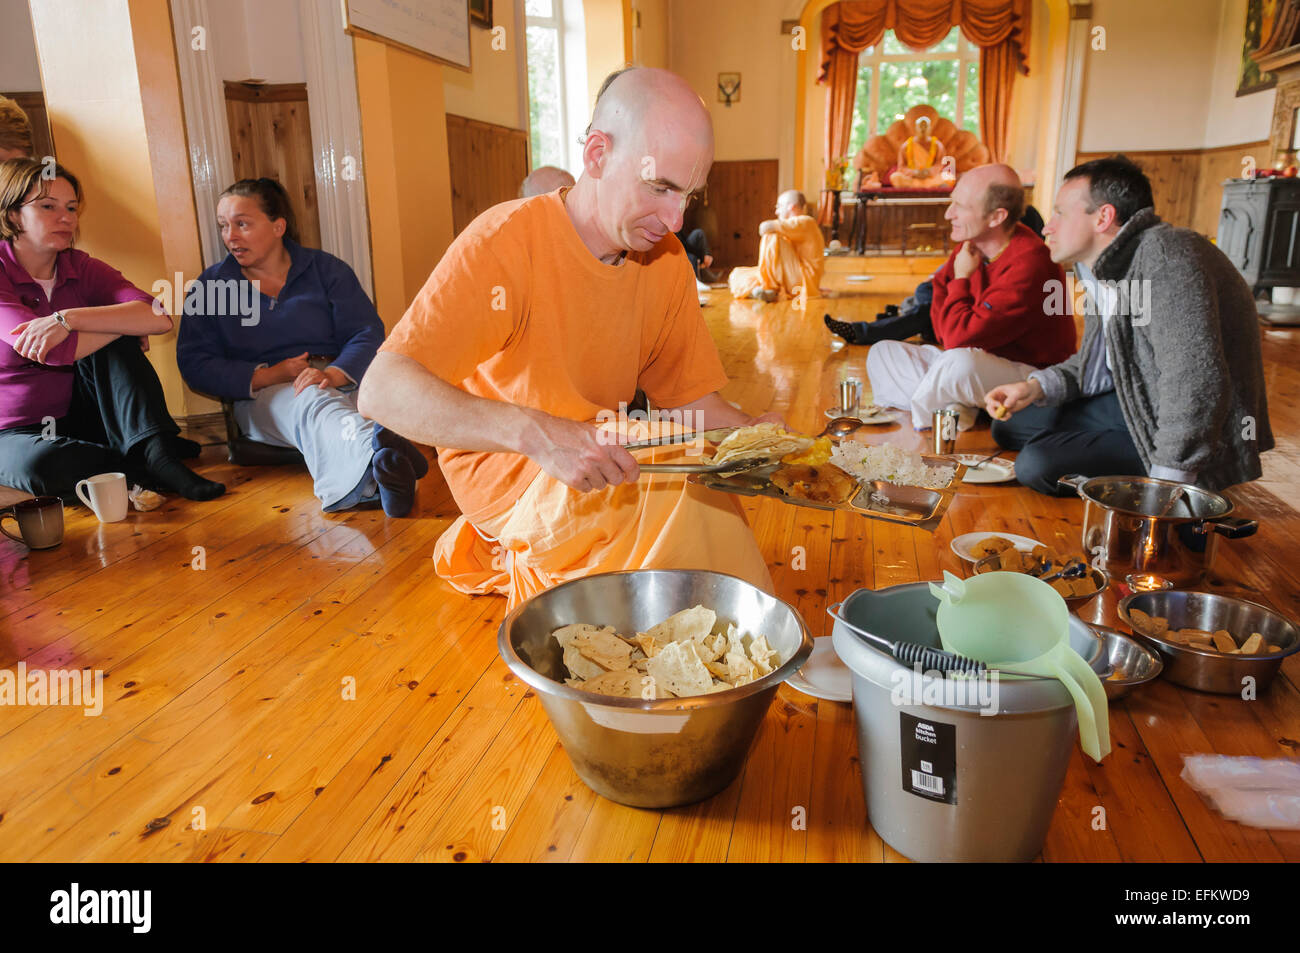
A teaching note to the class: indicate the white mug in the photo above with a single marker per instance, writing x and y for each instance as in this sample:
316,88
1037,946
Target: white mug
107,496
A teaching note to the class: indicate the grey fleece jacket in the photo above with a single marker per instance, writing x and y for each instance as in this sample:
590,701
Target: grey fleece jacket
1184,351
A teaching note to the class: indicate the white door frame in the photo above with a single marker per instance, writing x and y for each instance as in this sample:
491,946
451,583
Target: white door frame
335,130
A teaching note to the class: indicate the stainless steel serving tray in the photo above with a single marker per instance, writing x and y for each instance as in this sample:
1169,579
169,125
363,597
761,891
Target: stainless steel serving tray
916,506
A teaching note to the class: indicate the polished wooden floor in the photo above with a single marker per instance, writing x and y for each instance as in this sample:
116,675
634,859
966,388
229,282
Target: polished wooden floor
314,692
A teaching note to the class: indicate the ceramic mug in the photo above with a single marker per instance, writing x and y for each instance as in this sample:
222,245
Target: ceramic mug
105,493
40,522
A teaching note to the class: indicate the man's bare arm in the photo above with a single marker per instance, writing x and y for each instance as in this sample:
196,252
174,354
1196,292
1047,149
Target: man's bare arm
401,394
712,412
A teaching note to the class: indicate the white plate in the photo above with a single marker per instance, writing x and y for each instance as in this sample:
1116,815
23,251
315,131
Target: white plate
885,416
990,471
824,675
962,544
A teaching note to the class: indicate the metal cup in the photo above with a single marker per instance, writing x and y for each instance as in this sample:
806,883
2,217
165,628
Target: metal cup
849,389
945,431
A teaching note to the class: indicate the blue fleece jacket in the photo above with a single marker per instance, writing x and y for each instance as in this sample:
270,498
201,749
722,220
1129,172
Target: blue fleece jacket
228,330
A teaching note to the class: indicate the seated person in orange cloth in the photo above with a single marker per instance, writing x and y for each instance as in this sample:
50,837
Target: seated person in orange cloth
789,254
542,318
543,179
920,161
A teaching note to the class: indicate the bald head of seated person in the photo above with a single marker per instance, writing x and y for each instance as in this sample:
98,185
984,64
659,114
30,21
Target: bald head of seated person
543,179
992,309
920,161
790,254
543,319
1169,379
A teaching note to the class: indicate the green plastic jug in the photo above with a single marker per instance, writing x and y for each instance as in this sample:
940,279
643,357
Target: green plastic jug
975,619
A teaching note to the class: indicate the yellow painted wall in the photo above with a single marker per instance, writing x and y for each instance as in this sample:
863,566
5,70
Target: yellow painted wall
491,91
650,32
113,95
408,179
608,42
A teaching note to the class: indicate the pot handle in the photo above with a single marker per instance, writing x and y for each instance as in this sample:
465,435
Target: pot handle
1233,527
1074,481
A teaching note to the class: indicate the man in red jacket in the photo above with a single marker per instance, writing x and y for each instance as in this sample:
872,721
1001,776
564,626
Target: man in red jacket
991,310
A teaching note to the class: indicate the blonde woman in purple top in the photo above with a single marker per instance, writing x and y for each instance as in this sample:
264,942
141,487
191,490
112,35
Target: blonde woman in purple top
77,395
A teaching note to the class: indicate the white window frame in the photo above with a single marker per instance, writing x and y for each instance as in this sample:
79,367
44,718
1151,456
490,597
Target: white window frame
566,20
873,56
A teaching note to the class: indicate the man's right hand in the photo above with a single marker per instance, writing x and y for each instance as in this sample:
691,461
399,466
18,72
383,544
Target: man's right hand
282,372
578,455
1001,402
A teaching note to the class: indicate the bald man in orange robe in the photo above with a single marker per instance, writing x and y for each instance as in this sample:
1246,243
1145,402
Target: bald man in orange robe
544,316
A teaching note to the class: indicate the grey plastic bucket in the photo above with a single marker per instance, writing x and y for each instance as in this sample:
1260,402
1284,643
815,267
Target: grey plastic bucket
944,781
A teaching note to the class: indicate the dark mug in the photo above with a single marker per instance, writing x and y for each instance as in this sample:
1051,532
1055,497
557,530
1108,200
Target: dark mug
40,522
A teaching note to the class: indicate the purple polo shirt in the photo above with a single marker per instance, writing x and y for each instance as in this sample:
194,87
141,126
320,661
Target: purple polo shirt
31,391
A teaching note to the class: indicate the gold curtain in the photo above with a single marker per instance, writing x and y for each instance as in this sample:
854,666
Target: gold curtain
999,27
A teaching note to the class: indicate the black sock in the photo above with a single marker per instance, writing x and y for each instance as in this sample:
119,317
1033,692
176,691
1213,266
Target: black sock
843,328
171,474
385,438
184,448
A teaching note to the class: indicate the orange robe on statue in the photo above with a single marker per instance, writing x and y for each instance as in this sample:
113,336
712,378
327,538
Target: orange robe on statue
788,259
518,310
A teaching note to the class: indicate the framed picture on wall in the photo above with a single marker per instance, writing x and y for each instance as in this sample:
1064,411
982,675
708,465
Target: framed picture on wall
480,13
1260,16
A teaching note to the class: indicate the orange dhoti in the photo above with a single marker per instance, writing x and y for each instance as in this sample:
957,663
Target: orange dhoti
788,259
554,534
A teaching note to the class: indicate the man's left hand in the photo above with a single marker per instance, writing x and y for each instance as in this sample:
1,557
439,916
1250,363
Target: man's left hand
967,261
329,377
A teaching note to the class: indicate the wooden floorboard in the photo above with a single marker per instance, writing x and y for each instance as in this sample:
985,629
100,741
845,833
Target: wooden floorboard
287,685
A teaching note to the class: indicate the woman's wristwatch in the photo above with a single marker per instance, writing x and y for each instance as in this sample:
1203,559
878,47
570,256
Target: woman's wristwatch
58,316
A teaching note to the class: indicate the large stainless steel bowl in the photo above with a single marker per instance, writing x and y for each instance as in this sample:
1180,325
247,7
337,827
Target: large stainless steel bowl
1205,670
658,752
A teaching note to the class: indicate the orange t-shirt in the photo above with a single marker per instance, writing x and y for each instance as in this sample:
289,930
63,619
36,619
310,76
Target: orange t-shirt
518,310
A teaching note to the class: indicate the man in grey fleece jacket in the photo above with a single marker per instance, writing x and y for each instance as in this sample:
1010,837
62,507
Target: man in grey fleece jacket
1168,381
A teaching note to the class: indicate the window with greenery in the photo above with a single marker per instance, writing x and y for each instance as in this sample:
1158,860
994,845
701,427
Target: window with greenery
546,99
892,79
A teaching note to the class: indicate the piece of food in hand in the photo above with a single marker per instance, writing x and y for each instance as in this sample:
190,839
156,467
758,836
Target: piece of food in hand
814,456
1001,412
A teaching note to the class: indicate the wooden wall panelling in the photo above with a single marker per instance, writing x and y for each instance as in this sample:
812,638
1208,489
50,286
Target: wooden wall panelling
487,162
741,194
270,135
33,103
1215,166
1187,185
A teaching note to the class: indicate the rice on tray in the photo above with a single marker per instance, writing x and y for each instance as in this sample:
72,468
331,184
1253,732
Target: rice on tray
891,464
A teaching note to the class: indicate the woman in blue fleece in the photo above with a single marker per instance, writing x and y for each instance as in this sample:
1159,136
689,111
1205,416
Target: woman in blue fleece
287,332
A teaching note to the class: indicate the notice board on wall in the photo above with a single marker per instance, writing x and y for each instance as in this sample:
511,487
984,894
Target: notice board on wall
435,28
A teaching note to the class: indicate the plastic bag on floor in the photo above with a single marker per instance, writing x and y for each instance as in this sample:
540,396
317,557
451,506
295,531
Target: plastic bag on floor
1257,792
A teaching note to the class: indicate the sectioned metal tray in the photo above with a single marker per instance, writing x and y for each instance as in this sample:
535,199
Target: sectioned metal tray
916,506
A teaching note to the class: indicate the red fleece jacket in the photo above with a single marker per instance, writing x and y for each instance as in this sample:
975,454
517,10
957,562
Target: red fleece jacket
1001,308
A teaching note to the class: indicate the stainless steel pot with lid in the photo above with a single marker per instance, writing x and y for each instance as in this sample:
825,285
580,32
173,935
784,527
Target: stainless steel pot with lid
1141,524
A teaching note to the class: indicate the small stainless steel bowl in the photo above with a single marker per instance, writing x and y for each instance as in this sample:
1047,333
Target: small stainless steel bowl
1131,663
1073,603
657,752
1203,669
